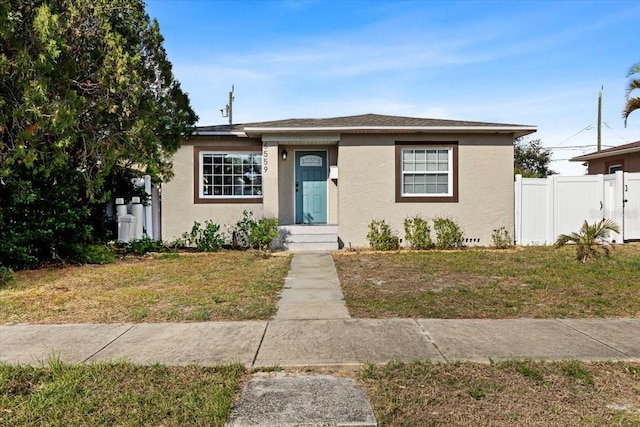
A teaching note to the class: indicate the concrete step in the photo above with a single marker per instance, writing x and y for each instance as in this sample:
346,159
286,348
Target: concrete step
310,229
311,246
301,237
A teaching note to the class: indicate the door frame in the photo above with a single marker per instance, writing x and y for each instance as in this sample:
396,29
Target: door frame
295,177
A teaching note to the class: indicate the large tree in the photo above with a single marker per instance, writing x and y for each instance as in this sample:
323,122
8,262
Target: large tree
86,95
633,102
531,159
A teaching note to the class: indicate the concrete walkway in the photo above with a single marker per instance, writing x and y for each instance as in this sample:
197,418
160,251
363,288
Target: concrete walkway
312,289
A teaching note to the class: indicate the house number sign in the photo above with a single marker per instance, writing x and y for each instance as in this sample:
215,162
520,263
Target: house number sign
265,158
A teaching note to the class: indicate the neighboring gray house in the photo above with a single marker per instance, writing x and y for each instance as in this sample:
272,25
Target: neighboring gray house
328,178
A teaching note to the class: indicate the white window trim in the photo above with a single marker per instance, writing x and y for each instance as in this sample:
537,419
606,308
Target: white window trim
449,172
201,156
617,166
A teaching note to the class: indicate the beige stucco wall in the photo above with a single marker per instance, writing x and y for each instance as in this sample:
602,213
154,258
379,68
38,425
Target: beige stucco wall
367,186
178,208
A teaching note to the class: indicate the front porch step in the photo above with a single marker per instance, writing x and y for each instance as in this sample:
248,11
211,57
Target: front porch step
301,238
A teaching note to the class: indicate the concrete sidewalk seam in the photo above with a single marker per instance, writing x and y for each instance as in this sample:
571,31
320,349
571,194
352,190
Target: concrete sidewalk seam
108,344
264,333
596,339
430,340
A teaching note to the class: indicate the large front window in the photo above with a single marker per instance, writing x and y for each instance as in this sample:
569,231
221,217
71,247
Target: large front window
231,174
426,172
228,174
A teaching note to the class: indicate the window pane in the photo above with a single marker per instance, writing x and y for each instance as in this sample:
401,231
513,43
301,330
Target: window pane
231,174
421,155
407,155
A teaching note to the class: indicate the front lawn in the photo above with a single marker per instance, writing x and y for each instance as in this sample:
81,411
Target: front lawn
531,282
226,285
509,393
119,394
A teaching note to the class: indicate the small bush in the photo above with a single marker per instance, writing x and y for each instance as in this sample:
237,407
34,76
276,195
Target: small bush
448,234
380,236
96,254
417,232
140,246
501,238
6,276
241,231
591,240
207,238
263,233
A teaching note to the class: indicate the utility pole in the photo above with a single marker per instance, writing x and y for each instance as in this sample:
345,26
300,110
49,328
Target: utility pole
600,119
228,110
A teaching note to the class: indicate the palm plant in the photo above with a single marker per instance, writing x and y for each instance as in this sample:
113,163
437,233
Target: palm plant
633,102
591,240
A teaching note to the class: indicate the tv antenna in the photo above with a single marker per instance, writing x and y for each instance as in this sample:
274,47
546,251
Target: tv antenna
228,110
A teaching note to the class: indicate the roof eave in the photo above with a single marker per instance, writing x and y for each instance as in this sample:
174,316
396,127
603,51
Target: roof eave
600,155
219,133
516,130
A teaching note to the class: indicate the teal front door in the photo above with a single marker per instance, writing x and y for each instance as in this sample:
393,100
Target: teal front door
311,187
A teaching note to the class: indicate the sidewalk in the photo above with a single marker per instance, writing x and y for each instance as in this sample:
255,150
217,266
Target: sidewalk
289,343
313,328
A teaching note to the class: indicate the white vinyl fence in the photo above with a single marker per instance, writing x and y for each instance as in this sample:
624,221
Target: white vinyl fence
547,207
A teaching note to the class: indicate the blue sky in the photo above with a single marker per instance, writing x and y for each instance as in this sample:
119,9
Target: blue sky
537,63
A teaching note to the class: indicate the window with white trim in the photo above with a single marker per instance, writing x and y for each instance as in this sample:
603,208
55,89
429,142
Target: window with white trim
613,168
230,174
427,172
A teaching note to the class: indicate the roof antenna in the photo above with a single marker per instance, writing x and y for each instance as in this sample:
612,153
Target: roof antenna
228,110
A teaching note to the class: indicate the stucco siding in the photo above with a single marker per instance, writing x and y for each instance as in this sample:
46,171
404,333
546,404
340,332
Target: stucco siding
367,186
178,208
600,166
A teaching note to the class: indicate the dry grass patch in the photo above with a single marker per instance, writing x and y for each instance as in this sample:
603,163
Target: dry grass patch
568,393
532,282
173,287
117,394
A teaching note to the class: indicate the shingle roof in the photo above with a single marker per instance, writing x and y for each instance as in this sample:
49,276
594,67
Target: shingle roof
625,148
361,122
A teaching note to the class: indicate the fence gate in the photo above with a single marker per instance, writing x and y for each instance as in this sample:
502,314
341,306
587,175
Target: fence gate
631,206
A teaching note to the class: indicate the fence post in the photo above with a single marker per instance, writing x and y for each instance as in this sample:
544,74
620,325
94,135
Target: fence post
619,203
518,209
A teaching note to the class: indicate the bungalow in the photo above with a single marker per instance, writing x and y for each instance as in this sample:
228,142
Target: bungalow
326,179
624,158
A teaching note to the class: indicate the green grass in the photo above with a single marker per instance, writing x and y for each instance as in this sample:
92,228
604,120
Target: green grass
567,393
226,285
532,282
117,394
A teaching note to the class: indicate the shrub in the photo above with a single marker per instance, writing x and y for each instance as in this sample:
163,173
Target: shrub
263,233
590,241
206,239
6,276
417,232
140,246
91,254
241,231
380,236
501,238
448,234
